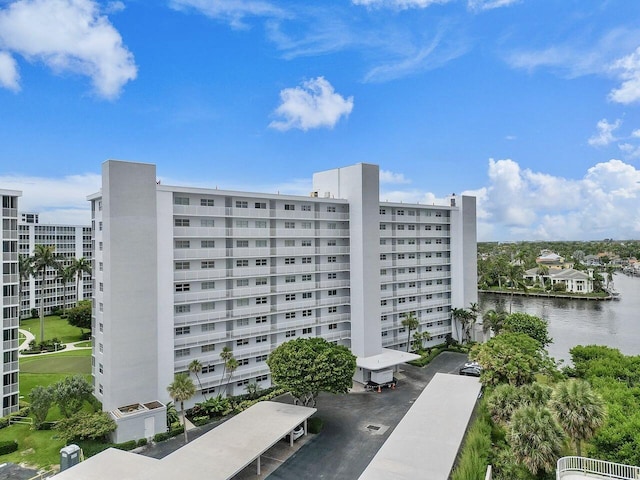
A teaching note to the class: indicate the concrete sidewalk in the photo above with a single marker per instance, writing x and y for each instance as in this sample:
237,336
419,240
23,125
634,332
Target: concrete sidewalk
30,336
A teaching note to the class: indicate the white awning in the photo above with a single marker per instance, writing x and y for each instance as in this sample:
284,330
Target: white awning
388,358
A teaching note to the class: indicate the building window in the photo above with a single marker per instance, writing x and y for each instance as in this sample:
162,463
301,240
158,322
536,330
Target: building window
100,368
306,243
179,222
261,300
289,224
331,243
332,276
182,352
101,326
438,227
182,243
290,297
290,333
262,339
307,295
207,222
242,263
307,313
383,211
242,243
332,293
305,208
182,308
290,279
208,327
183,330
178,265
242,383
242,322
261,319
332,310
261,378
290,315
383,256
261,262
306,260
243,361
242,282
181,200
289,206
207,202
399,212
101,348
400,227
306,225
262,205
289,261
332,259
383,303
207,264
242,204
331,209
242,341
181,287
333,326
307,331
261,224
261,243
208,285
242,302
242,223
332,226
206,306
261,358
261,281
306,278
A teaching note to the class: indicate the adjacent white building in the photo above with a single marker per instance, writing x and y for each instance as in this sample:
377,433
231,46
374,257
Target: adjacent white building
70,242
182,272
9,300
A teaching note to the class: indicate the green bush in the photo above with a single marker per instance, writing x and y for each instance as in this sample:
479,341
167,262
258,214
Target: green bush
161,437
175,431
474,457
314,425
9,446
4,422
199,421
130,445
142,442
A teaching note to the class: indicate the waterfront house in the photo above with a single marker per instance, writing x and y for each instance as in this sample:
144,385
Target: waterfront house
575,281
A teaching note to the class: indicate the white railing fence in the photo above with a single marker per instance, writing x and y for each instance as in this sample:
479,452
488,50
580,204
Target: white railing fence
590,466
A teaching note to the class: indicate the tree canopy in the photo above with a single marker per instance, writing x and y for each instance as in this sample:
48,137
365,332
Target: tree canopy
308,366
80,315
535,327
512,358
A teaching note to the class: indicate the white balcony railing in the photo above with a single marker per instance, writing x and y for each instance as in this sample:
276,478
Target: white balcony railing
589,468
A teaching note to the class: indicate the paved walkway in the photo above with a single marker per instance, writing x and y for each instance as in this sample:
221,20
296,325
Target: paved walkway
30,336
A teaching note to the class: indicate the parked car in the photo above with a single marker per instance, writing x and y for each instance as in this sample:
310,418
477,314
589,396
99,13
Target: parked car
471,370
297,433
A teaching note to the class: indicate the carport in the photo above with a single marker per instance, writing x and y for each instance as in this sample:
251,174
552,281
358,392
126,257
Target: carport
219,454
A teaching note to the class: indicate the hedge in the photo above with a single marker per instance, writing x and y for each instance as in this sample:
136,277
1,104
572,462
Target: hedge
9,446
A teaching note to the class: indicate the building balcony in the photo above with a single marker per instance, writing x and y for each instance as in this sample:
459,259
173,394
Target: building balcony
581,468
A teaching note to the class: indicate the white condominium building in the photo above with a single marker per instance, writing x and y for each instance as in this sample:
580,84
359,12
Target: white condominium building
9,300
69,242
180,273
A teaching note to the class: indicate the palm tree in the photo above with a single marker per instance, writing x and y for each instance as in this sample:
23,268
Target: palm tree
514,275
79,266
535,439
580,411
195,367
231,366
456,316
410,322
25,270
65,275
503,401
419,338
44,257
493,320
225,355
182,389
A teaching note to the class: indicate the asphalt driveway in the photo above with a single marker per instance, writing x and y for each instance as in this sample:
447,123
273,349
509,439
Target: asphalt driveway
356,425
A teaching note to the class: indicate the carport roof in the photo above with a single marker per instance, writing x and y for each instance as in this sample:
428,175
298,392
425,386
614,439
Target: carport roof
386,359
218,455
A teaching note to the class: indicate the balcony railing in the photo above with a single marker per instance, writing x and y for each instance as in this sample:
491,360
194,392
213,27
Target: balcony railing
589,468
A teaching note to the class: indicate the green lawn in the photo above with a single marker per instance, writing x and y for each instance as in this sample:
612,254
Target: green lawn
54,327
35,447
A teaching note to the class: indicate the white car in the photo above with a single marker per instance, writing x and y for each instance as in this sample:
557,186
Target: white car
297,433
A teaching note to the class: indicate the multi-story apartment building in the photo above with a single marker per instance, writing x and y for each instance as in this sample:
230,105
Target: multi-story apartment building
180,273
9,299
70,242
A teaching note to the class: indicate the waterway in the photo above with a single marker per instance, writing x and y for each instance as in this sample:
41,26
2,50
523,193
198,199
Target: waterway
615,323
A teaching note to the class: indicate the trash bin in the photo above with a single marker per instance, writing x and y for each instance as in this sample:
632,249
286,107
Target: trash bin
69,456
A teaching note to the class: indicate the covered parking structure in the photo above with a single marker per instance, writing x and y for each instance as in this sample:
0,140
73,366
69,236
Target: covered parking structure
426,441
218,455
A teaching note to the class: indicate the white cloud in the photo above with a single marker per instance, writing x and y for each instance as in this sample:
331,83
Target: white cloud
628,70
80,40
604,136
114,7
57,200
387,176
401,4
9,76
636,133
231,11
524,205
489,4
313,105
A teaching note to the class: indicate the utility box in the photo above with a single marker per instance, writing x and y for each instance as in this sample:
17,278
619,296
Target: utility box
69,456
382,376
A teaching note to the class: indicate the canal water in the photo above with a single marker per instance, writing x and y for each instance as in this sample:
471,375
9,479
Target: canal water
615,323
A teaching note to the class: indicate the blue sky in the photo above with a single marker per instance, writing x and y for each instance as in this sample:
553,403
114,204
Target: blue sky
531,105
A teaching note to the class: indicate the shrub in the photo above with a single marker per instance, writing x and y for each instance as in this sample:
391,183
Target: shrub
34,313
4,422
9,446
126,446
199,421
314,425
175,431
142,442
161,437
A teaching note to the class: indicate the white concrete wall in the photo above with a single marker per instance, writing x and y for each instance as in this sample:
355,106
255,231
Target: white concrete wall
360,185
130,356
